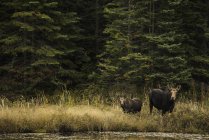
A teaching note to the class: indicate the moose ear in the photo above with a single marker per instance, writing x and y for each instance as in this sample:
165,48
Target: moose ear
178,87
168,86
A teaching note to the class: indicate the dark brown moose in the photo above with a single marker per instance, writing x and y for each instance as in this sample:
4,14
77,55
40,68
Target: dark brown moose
163,99
130,105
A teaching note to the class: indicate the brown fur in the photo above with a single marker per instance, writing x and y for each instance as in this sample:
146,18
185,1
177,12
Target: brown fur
163,99
130,105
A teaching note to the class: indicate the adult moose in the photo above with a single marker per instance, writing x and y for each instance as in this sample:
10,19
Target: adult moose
163,99
130,105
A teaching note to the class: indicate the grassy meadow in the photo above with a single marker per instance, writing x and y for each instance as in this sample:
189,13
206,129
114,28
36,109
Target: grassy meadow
64,113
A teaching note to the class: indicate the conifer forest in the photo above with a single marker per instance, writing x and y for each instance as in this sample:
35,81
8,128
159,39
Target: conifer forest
48,45
104,66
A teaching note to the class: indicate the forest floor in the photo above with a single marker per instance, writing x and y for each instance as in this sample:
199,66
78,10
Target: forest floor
23,117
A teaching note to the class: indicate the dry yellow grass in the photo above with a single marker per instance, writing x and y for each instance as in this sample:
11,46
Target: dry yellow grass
187,117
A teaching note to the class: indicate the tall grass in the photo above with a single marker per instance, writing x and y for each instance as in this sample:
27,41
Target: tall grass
65,113
89,118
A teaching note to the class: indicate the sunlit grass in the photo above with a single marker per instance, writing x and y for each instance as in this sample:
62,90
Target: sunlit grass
69,115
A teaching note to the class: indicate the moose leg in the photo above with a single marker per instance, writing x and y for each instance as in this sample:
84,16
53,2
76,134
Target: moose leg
151,107
171,108
163,112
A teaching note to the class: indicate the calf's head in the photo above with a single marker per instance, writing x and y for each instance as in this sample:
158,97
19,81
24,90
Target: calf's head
122,100
174,91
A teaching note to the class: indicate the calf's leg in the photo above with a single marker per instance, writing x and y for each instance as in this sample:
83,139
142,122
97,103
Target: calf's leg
151,107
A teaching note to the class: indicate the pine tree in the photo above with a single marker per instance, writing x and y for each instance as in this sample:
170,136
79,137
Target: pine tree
91,40
195,29
74,61
168,53
31,43
123,59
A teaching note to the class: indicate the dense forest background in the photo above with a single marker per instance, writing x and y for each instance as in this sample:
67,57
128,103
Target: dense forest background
47,45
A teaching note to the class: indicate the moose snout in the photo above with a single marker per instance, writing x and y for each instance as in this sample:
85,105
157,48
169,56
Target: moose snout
172,98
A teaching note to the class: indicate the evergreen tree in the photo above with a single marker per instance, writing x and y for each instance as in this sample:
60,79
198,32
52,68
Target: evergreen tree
195,31
168,52
123,59
31,41
74,62
51,44
91,24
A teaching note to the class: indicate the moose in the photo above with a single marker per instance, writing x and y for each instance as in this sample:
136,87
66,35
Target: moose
130,105
163,99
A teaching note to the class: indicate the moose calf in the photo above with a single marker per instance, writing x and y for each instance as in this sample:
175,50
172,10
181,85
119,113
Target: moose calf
130,105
